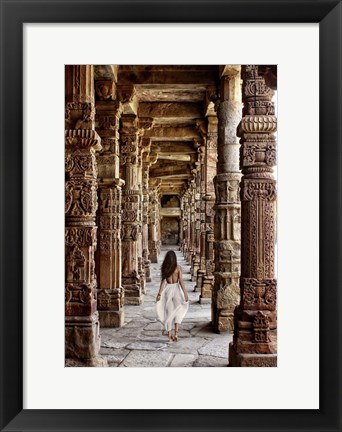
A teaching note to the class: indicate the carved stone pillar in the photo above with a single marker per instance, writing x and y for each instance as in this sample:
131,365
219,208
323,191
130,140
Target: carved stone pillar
184,216
82,337
110,294
254,342
202,227
209,200
227,205
192,223
154,185
144,146
131,197
145,207
195,261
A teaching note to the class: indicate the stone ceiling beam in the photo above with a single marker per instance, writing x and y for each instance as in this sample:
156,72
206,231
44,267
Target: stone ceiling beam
176,157
173,133
163,77
170,110
174,147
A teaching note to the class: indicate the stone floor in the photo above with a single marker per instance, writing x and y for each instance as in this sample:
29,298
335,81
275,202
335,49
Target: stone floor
140,342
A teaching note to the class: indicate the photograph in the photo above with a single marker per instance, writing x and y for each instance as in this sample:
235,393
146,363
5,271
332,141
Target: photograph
170,215
170,202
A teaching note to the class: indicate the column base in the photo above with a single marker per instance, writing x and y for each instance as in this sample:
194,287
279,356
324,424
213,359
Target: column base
133,297
199,280
153,257
207,288
204,300
250,360
142,283
224,322
133,294
82,336
94,362
111,318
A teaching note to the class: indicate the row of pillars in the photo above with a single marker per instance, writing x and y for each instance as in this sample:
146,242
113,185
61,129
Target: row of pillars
112,230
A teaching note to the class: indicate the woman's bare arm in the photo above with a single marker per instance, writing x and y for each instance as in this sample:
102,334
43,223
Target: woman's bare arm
162,285
181,283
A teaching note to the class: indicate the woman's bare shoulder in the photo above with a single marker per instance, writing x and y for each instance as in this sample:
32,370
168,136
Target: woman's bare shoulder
179,268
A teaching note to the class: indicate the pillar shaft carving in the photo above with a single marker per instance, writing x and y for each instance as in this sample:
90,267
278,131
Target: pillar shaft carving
110,294
209,201
131,210
185,224
153,220
145,214
82,337
196,254
254,342
201,188
227,206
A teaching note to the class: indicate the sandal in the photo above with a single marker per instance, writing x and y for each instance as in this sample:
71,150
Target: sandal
175,337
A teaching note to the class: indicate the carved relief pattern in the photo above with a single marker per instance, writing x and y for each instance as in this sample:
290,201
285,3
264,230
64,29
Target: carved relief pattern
258,190
80,197
261,327
79,115
258,294
258,154
257,311
80,211
105,90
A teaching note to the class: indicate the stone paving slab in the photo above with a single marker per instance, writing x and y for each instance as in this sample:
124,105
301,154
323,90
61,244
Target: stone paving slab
183,360
146,345
113,344
209,361
114,355
216,347
140,358
186,346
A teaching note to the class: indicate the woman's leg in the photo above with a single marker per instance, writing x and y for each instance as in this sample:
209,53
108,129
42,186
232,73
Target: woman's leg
176,331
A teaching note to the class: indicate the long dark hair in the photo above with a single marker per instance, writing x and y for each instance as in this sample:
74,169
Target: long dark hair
169,264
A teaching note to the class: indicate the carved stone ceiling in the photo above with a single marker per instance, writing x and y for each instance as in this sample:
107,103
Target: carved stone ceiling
176,97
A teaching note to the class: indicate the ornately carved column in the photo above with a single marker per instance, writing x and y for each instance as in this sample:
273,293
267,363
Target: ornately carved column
197,223
227,206
184,213
202,228
82,337
209,200
110,295
254,342
154,185
145,206
131,197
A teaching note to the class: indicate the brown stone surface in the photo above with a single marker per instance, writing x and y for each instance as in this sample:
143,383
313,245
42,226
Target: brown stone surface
152,158
255,318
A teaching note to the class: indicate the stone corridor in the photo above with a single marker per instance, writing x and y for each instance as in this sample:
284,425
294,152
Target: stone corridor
140,342
180,156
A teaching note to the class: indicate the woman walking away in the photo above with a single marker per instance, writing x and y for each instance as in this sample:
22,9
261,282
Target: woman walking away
172,298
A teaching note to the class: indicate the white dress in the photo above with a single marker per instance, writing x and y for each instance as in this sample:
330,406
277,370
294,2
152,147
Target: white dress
172,306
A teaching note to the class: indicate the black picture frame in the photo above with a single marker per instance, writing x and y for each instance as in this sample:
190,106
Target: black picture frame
328,14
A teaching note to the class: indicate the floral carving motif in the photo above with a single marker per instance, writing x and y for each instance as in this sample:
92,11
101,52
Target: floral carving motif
258,190
80,197
78,293
80,236
261,327
259,294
